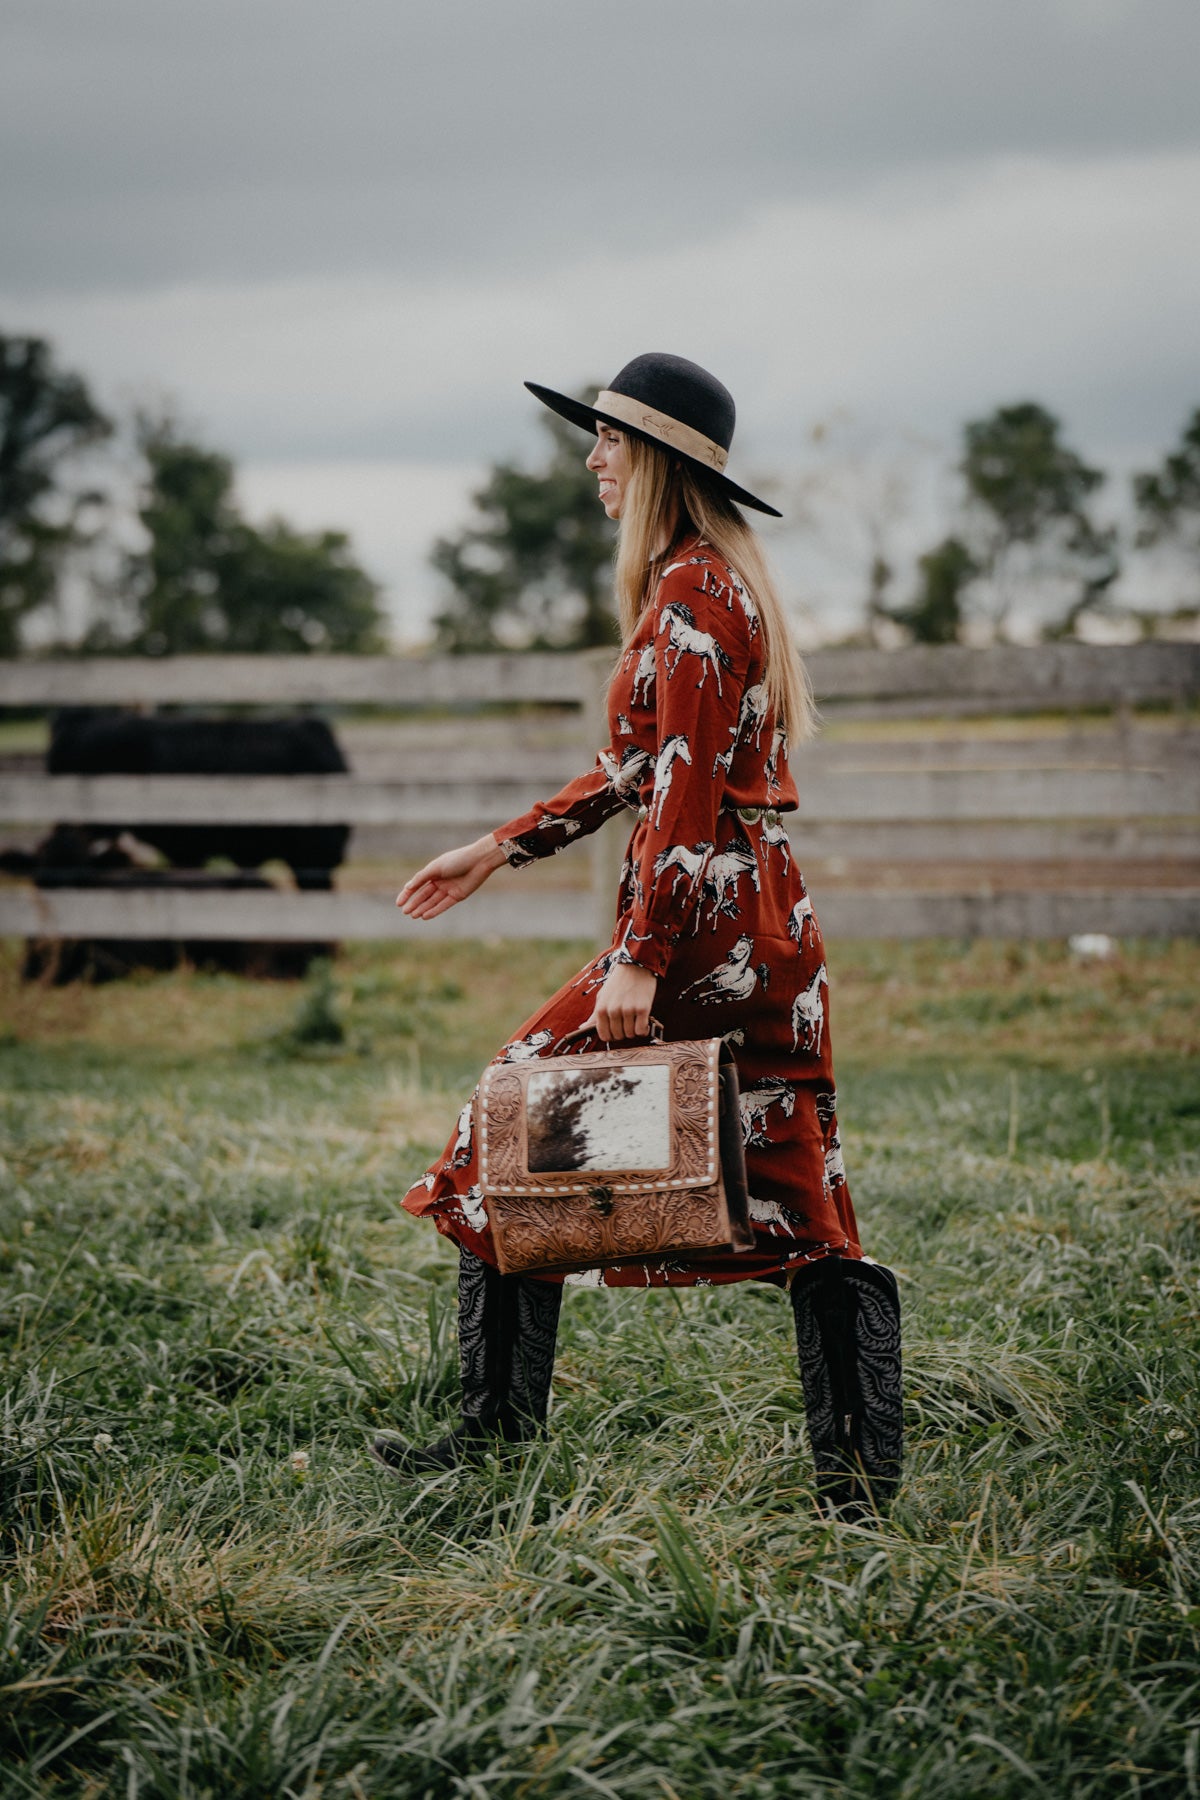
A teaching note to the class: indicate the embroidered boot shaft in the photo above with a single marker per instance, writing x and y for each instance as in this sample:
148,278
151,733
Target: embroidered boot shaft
507,1331
847,1317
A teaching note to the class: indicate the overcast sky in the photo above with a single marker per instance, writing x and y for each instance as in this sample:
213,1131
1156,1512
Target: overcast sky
341,236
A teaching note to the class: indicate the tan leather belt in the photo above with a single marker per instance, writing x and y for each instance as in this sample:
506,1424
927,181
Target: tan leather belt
751,815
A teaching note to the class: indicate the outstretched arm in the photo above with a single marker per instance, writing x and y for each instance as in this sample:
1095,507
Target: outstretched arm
581,807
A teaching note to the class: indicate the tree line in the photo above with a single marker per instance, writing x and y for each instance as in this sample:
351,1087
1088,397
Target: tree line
532,566
203,577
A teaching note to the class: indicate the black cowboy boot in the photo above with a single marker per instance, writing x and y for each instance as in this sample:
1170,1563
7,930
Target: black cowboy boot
507,1327
848,1339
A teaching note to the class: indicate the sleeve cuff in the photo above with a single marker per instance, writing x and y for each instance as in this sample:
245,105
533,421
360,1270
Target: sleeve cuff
518,852
651,952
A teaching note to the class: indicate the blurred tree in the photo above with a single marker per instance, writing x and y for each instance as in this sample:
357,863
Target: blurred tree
1168,498
1028,493
208,580
47,417
936,613
534,569
852,506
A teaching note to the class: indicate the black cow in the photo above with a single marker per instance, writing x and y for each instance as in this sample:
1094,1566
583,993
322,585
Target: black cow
104,742
86,741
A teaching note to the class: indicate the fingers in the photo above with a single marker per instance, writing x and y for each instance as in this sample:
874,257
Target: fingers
424,878
429,909
624,1003
425,901
619,1024
429,891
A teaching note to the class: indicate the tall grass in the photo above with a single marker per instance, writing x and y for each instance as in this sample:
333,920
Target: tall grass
209,1300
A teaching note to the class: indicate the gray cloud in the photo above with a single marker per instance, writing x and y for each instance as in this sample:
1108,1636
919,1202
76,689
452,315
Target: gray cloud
342,235
147,143
915,301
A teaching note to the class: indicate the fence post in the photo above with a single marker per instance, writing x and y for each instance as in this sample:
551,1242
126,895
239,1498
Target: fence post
608,844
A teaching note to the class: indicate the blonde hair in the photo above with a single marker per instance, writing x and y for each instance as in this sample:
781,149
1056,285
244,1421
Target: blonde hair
663,493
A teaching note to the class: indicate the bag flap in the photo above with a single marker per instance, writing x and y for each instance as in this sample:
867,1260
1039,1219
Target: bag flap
638,1120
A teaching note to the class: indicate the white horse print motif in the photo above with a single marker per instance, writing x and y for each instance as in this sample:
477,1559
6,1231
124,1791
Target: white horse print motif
753,713
595,976
626,776
676,745
778,747
569,827
748,607
643,675
734,979
835,1164
808,1014
712,584
686,865
474,1210
526,1048
802,918
775,837
679,622
460,1155
631,879
724,758
723,874
770,1213
826,1104
688,562
755,1103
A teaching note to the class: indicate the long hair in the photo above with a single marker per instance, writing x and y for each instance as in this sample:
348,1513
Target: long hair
664,494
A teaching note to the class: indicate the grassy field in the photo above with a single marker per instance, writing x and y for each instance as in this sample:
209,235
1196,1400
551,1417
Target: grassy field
209,1300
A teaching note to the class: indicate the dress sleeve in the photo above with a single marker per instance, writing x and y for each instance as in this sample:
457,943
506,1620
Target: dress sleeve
579,808
701,658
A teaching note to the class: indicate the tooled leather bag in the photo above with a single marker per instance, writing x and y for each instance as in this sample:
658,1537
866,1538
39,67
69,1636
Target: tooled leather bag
599,1158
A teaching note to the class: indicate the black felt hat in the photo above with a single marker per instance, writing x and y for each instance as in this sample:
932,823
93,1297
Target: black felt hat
671,402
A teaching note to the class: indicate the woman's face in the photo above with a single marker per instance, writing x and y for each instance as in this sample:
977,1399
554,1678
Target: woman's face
609,462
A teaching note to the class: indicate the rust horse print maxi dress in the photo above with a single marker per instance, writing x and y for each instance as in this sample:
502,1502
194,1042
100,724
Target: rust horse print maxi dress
712,903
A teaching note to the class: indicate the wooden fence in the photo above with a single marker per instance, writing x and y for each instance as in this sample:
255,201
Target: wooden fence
1083,817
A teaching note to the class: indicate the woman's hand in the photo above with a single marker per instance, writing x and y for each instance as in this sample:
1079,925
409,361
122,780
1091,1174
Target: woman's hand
623,1004
448,879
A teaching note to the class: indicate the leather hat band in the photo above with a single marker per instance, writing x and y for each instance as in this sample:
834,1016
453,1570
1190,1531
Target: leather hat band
671,432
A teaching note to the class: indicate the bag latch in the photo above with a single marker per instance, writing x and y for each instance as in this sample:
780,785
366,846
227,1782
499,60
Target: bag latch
602,1200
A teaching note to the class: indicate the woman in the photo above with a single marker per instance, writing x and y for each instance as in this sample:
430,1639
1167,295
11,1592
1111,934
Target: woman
715,934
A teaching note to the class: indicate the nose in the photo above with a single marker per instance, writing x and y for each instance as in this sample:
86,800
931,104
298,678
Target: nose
596,457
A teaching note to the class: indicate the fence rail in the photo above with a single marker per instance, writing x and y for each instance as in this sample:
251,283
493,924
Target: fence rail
1039,830
291,917
921,795
1012,677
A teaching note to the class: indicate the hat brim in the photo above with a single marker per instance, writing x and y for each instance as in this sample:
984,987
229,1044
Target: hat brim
586,416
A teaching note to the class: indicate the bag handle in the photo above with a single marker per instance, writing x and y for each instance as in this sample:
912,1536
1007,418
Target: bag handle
656,1034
